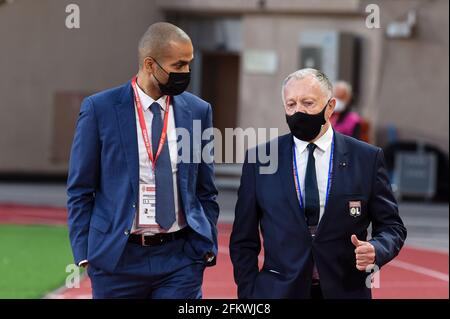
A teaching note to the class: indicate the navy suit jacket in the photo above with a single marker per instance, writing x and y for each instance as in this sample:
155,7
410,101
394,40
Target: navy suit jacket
269,204
103,177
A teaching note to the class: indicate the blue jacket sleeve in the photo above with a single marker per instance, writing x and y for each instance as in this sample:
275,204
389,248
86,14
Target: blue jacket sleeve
388,231
206,189
245,243
82,179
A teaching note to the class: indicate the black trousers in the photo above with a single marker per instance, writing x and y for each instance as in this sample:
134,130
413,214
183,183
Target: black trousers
316,291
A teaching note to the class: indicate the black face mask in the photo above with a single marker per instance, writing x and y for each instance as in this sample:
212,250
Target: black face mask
304,126
176,84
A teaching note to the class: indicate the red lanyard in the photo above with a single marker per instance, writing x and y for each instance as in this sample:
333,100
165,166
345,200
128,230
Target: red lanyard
143,126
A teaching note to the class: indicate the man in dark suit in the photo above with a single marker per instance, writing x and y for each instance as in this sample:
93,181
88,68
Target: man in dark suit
142,208
314,211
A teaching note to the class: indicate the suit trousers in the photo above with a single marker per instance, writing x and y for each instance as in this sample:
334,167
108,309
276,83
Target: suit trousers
150,272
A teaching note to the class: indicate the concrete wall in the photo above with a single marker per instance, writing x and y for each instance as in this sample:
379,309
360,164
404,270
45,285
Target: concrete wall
413,90
403,82
281,33
40,56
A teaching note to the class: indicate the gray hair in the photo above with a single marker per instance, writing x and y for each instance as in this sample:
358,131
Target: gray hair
347,87
157,38
323,80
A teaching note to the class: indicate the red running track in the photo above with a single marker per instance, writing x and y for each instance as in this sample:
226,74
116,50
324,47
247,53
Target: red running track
415,273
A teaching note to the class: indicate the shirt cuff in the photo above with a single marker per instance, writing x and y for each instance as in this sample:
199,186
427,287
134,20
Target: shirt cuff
82,262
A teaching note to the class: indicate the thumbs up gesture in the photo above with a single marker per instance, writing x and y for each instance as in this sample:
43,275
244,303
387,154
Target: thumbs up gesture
365,253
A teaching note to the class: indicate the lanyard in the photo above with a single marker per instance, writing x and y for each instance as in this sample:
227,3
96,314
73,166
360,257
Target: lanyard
143,126
330,172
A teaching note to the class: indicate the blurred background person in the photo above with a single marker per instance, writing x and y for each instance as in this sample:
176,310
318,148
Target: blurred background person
344,120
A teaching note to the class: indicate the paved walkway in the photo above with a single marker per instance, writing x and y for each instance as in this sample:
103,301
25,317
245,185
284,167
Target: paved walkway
415,273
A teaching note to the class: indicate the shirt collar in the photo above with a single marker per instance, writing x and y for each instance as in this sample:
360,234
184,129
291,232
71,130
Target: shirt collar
323,143
147,100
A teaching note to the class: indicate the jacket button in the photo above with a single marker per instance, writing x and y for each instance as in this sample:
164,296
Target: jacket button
134,205
127,232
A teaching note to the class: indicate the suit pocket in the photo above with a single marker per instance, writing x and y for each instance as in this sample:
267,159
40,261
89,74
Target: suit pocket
100,223
266,283
273,271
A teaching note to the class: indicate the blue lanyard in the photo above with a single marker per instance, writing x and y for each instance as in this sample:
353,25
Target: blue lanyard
330,172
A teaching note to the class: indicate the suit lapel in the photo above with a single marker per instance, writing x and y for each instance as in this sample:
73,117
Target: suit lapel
126,117
285,172
183,119
340,157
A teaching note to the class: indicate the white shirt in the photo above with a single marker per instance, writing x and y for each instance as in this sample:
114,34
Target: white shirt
145,168
322,160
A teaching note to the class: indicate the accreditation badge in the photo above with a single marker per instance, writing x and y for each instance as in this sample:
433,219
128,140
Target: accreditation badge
147,206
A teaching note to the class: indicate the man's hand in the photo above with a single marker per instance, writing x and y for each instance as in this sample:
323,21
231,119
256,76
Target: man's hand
365,253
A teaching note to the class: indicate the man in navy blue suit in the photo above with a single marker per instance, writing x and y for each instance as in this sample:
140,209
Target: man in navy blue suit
314,211
142,208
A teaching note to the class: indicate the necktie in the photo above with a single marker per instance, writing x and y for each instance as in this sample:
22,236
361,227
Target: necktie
165,208
312,204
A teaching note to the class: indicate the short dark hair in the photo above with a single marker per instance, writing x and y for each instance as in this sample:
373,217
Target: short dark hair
156,39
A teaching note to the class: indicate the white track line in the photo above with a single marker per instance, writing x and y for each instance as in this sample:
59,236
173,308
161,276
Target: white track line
419,269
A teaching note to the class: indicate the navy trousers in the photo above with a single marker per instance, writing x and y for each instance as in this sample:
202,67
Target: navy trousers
156,272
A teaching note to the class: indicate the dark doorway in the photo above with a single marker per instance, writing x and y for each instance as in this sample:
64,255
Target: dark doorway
220,83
